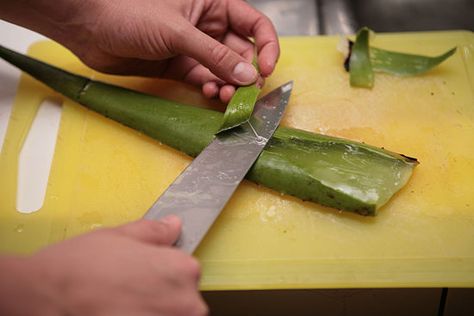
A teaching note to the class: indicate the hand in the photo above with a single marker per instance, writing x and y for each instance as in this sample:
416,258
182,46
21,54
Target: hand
203,42
129,270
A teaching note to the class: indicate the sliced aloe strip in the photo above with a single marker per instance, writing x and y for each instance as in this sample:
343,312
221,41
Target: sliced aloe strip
334,172
240,107
404,64
381,60
361,74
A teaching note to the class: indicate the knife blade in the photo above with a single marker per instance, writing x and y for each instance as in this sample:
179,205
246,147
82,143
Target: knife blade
201,191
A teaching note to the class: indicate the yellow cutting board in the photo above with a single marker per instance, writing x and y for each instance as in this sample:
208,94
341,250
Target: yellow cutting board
104,174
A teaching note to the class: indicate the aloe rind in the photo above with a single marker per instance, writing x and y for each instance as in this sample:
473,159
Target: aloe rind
363,60
402,64
186,128
241,104
334,172
240,107
361,74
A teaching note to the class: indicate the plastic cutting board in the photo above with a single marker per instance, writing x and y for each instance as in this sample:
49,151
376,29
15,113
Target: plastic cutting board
104,174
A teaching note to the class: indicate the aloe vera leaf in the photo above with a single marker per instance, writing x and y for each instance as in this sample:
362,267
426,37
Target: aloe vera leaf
240,107
402,64
346,174
361,74
395,63
334,172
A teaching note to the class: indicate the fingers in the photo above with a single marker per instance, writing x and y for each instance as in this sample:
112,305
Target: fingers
194,73
163,232
210,89
220,59
241,45
226,93
251,23
189,70
184,273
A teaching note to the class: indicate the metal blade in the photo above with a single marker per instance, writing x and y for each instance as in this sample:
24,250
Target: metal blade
202,190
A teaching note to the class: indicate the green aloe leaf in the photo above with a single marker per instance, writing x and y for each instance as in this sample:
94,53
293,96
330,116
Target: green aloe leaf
240,107
361,74
404,64
363,60
332,171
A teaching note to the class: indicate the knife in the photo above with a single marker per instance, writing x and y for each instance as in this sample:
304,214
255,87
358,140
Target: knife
201,191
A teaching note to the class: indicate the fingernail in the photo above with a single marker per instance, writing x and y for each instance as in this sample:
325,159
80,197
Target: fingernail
245,73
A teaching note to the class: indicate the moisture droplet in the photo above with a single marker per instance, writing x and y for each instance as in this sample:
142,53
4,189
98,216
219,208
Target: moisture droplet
271,211
19,228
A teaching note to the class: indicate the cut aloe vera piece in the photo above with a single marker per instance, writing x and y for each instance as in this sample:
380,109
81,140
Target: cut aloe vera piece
404,64
240,107
363,60
361,74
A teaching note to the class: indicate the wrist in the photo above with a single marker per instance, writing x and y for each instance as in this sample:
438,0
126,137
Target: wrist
25,288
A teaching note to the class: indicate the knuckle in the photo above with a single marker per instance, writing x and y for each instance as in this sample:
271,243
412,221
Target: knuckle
263,20
180,30
219,54
175,36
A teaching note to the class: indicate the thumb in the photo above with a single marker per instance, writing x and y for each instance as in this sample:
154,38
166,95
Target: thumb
163,232
219,58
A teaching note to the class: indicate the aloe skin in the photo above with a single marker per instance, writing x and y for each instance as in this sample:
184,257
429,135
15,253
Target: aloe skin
361,73
401,64
331,171
364,60
240,107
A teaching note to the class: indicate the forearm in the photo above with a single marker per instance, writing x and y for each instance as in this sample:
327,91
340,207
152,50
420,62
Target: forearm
24,289
54,19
